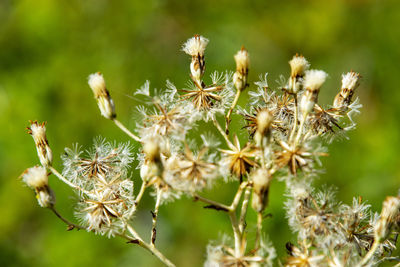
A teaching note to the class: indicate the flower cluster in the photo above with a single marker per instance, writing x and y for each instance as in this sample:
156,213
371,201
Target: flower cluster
286,132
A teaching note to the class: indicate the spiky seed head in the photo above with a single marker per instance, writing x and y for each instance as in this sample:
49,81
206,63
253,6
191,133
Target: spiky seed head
104,100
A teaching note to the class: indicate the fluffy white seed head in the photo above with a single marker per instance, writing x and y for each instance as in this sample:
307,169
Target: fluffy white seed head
195,46
36,177
350,80
312,83
314,79
298,65
104,100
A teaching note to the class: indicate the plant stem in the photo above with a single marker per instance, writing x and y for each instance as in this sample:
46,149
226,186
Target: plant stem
216,204
243,211
259,228
154,218
149,247
236,233
303,119
295,118
370,253
63,179
66,221
224,135
141,193
125,130
228,116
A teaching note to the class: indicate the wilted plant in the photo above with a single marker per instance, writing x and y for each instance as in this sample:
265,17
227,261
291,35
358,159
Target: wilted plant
287,131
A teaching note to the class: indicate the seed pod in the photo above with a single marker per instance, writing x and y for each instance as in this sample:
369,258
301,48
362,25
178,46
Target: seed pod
261,179
242,69
37,179
349,83
38,133
312,83
195,47
298,65
389,213
104,100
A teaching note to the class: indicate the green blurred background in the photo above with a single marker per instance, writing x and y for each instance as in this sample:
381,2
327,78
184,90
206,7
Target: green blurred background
48,48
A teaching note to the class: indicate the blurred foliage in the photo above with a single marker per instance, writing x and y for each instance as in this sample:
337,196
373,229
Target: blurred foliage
48,48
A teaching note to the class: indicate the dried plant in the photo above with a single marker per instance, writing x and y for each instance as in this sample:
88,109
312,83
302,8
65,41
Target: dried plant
287,133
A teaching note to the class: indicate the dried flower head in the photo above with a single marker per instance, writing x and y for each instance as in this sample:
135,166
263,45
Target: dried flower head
38,132
302,257
389,214
312,83
263,122
239,159
37,179
261,180
296,157
349,83
298,65
193,171
104,100
195,47
203,98
242,69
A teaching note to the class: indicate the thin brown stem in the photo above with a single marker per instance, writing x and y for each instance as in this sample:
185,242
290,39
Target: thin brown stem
213,204
138,240
71,225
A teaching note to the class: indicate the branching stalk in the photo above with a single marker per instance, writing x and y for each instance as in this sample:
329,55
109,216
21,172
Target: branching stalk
137,239
63,179
228,116
224,135
125,130
154,215
66,221
243,211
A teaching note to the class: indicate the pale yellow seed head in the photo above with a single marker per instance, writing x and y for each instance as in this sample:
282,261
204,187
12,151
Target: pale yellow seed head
298,65
36,177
